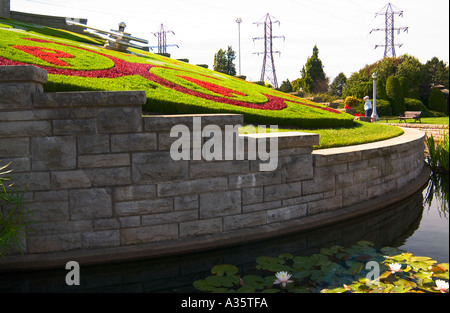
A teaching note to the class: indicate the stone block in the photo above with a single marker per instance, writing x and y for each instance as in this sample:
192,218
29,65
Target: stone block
52,243
111,176
14,147
324,180
287,213
146,234
104,238
252,195
106,223
74,126
244,220
282,191
353,194
53,153
254,180
90,99
119,120
296,168
325,205
133,142
199,228
178,188
129,193
93,144
62,227
220,204
70,179
217,168
25,129
144,207
18,96
103,160
90,203
19,165
170,217
23,73
130,221
261,206
31,181
51,211
157,167
186,202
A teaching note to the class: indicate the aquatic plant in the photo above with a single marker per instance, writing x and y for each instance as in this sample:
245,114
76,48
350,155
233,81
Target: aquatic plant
438,153
360,268
14,215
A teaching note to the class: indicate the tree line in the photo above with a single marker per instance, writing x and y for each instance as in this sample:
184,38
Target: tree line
403,82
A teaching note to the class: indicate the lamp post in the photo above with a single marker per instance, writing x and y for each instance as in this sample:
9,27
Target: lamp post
239,21
375,117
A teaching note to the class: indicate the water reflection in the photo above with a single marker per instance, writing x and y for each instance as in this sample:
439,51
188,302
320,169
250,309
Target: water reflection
432,237
401,226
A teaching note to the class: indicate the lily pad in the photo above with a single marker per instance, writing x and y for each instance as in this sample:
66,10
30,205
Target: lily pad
223,269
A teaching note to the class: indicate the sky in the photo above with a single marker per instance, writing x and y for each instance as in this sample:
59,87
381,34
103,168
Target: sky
341,29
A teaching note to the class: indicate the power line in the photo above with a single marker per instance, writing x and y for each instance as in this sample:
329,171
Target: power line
268,68
162,39
389,11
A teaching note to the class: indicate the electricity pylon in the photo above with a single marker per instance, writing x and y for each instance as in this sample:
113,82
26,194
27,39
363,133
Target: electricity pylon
268,68
389,11
162,39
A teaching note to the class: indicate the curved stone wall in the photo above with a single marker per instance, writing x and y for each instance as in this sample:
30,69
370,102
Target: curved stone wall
103,185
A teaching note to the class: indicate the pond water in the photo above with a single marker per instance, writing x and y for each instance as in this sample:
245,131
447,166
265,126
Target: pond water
419,225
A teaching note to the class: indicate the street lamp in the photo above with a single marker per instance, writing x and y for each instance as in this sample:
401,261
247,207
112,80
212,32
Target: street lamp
375,117
239,21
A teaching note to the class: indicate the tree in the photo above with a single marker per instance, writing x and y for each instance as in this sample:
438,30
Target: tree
436,101
286,86
381,90
436,72
223,61
313,74
337,85
359,84
395,95
413,71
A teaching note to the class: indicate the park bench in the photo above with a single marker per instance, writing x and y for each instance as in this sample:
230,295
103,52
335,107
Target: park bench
410,115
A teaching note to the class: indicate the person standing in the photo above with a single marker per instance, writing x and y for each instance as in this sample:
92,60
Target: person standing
367,106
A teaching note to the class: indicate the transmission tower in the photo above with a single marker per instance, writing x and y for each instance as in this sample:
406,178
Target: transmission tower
389,11
162,39
268,68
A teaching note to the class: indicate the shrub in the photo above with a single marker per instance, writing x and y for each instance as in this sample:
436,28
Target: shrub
352,102
417,105
436,101
395,95
384,108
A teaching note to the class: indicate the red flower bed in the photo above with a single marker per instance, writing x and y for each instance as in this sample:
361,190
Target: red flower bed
48,55
214,88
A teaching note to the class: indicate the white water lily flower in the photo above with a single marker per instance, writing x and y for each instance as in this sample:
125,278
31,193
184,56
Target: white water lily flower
282,278
441,285
395,267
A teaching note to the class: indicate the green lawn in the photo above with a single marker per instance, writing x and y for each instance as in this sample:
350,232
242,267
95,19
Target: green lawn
360,133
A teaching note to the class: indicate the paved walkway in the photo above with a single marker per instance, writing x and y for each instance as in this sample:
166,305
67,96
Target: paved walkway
436,130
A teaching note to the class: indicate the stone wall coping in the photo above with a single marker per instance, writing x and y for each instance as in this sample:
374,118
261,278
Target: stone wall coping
22,73
89,99
407,137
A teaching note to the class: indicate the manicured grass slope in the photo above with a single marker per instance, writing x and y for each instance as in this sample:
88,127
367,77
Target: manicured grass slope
75,62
